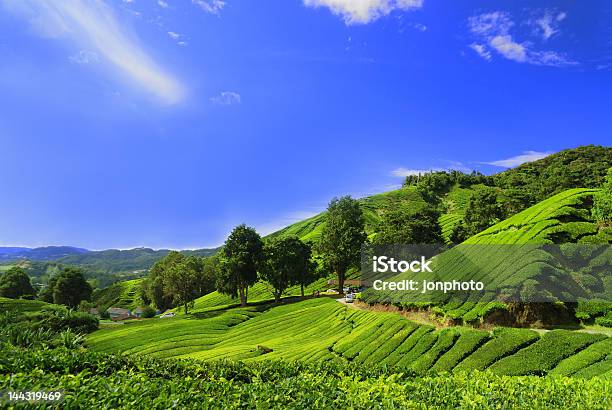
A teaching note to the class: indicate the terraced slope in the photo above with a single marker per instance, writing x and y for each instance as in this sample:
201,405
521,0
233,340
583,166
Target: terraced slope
488,257
322,328
121,294
21,305
372,206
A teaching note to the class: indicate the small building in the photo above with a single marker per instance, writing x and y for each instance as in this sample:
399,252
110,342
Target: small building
94,311
118,313
138,312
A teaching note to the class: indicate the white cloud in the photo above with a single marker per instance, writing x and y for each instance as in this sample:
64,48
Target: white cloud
494,33
527,156
548,24
162,4
481,50
210,6
226,98
173,35
364,11
92,23
84,57
510,49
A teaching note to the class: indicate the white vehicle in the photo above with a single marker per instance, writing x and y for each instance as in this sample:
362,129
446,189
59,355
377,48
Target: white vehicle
167,315
350,298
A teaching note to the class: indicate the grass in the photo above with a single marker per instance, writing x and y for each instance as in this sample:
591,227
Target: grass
323,329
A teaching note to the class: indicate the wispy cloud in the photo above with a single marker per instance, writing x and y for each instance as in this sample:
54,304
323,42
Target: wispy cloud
162,4
210,6
93,24
481,50
226,98
547,25
364,11
527,156
493,32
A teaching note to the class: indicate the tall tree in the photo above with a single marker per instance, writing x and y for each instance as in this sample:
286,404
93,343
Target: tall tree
240,260
182,280
286,262
402,226
483,211
342,237
156,289
71,287
15,283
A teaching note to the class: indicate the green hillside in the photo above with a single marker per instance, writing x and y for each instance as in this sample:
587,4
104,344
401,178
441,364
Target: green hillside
372,207
323,329
121,294
21,305
562,218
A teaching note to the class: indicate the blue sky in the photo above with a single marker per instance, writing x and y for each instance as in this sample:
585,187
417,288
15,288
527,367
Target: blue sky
166,123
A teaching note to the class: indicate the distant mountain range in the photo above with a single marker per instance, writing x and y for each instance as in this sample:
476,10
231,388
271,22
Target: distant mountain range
106,266
47,253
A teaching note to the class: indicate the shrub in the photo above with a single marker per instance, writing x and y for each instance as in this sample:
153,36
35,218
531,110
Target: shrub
148,312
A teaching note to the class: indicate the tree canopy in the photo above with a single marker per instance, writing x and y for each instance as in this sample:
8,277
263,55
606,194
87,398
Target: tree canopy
342,237
15,283
286,262
70,287
240,260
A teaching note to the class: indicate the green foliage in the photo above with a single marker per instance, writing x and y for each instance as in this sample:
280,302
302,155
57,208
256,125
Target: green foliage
15,283
175,280
602,207
286,262
126,294
323,329
401,226
546,353
582,167
483,211
240,258
505,342
148,312
342,237
182,280
70,287
109,381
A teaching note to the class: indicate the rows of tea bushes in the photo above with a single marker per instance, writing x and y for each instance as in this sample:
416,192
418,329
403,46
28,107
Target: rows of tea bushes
508,257
93,380
317,329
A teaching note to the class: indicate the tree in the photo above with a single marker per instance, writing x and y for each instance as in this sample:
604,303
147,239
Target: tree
155,282
602,205
482,211
15,283
46,294
71,288
181,280
286,262
342,237
401,226
209,271
240,260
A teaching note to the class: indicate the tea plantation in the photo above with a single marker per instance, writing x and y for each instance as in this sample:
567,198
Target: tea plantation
323,329
92,380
